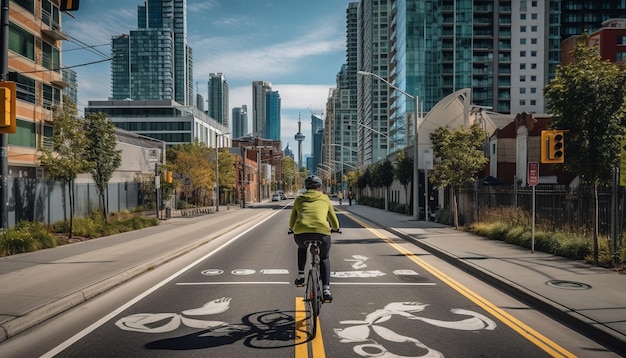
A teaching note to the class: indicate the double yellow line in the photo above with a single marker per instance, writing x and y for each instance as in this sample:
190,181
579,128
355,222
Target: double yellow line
305,347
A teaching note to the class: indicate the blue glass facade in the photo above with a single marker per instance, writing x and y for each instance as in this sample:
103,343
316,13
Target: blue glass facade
272,116
154,60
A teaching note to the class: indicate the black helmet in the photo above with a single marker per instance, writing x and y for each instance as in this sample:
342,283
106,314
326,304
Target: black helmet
312,182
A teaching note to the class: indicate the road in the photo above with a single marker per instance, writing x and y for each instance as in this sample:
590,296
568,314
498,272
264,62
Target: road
235,297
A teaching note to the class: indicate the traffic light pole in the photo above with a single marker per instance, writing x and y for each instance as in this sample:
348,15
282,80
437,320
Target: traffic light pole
4,138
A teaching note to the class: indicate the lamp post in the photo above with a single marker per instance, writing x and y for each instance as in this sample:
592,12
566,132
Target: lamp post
415,135
342,162
217,170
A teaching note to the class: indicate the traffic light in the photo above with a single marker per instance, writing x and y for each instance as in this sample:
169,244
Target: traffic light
552,147
168,176
69,5
7,107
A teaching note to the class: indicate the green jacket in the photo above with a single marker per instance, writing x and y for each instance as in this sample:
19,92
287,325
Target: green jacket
311,213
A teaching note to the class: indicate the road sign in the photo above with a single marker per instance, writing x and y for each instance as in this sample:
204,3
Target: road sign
533,173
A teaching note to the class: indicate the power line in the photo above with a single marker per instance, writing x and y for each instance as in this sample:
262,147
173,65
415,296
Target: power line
66,67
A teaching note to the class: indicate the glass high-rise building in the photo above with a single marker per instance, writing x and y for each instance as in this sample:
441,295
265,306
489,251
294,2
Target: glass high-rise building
259,111
154,61
240,121
272,115
218,98
372,47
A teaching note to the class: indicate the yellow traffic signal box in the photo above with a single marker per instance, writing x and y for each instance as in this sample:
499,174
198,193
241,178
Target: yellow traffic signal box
552,147
7,107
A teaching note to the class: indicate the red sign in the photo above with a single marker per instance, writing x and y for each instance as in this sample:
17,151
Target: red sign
533,173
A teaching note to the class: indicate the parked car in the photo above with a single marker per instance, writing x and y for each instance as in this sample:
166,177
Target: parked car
276,197
282,194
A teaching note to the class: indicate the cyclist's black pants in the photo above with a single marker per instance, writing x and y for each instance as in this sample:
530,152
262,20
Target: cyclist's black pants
324,253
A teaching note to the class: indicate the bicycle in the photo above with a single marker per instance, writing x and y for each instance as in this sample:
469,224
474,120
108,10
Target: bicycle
313,297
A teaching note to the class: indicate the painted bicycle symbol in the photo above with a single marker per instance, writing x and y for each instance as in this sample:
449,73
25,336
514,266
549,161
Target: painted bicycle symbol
361,331
266,329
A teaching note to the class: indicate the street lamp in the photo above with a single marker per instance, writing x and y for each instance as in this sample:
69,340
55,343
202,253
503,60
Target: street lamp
415,135
217,170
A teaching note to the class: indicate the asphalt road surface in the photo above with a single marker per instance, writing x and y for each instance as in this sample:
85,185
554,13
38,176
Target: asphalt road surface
235,298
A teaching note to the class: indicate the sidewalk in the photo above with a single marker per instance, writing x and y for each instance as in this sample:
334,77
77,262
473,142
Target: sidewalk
584,297
38,285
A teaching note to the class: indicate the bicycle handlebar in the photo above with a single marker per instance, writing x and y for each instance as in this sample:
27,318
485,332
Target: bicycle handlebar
290,231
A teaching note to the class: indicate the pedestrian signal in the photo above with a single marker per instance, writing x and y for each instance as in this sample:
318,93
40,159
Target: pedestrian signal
168,176
552,147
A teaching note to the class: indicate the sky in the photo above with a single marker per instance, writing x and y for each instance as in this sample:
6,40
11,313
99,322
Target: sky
297,45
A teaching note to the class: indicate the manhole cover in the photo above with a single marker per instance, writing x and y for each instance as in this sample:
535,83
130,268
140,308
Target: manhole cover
568,285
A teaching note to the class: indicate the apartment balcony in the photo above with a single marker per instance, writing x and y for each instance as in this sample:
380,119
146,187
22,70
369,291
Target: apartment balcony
53,29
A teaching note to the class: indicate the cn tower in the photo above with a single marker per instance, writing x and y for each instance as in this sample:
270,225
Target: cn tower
300,138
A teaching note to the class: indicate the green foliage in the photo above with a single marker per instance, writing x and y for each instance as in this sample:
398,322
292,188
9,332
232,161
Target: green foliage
573,246
404,168
26,237
101,153
459,155
587,99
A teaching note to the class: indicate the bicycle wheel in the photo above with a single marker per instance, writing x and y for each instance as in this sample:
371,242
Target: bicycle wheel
317,289
310,302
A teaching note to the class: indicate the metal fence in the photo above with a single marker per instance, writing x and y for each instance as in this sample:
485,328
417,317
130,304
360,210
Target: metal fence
556,207
47,201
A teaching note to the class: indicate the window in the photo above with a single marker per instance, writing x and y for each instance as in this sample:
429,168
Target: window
533,41
522,54
522,78
533,102
522,66
522,102
533,66
522,29
22,42
533,16
522,16
522,90
533,90
522,41
533,78
533,28
533,53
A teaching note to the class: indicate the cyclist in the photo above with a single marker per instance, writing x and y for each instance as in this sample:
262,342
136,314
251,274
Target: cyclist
310,217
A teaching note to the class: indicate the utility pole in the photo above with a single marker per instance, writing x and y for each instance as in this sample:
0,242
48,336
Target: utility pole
4,138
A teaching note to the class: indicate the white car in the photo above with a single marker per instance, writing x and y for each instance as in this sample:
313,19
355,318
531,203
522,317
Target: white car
276,197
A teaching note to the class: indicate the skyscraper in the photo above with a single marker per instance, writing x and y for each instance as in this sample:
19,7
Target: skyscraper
372,46
154,61
240,121
259,112
272,116
218,98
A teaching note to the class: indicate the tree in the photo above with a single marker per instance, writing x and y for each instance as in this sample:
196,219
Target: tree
227,172
586,98
458,157
194,160
67,159
289,174
386,179
101,153
403,171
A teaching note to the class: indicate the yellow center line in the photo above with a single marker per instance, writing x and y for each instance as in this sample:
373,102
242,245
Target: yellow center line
303,343
524,330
